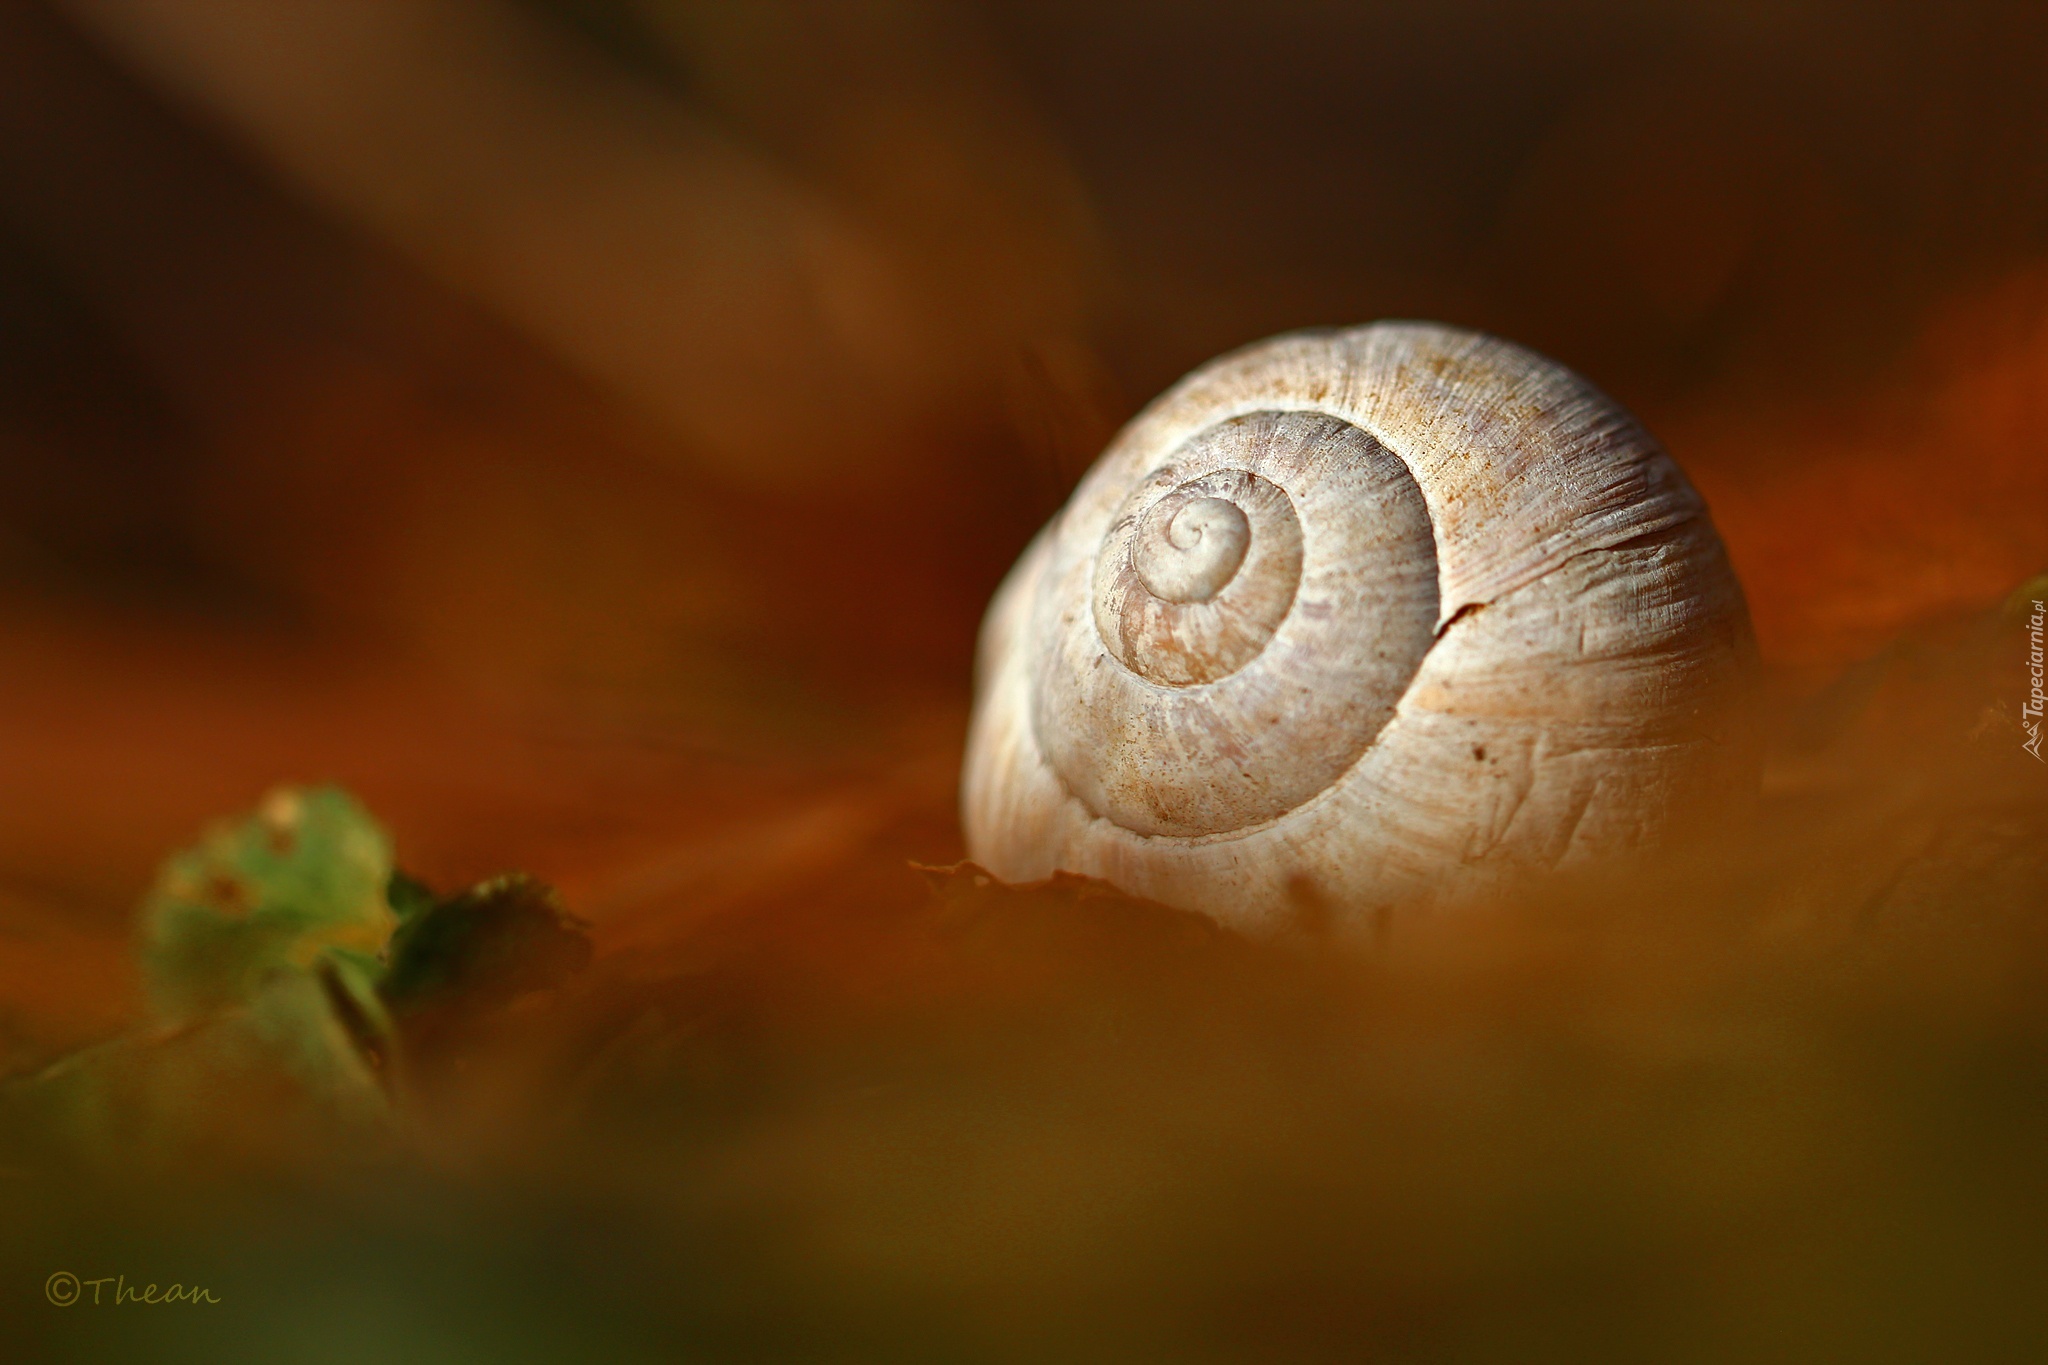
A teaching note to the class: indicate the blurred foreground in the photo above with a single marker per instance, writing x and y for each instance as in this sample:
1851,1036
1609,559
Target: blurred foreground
1775,1096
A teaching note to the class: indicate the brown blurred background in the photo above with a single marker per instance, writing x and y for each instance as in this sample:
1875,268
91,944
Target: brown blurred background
590,429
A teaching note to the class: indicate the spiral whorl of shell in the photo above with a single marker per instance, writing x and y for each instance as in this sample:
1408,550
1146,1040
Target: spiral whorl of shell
1348,617
1316,632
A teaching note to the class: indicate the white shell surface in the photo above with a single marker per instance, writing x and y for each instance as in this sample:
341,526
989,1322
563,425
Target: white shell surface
1512,640
1193,723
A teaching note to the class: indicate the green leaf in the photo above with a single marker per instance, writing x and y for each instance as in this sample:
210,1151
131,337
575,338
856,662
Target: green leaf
493,942
301,881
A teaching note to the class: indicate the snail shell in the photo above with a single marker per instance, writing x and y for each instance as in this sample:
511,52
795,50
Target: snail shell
1350,618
